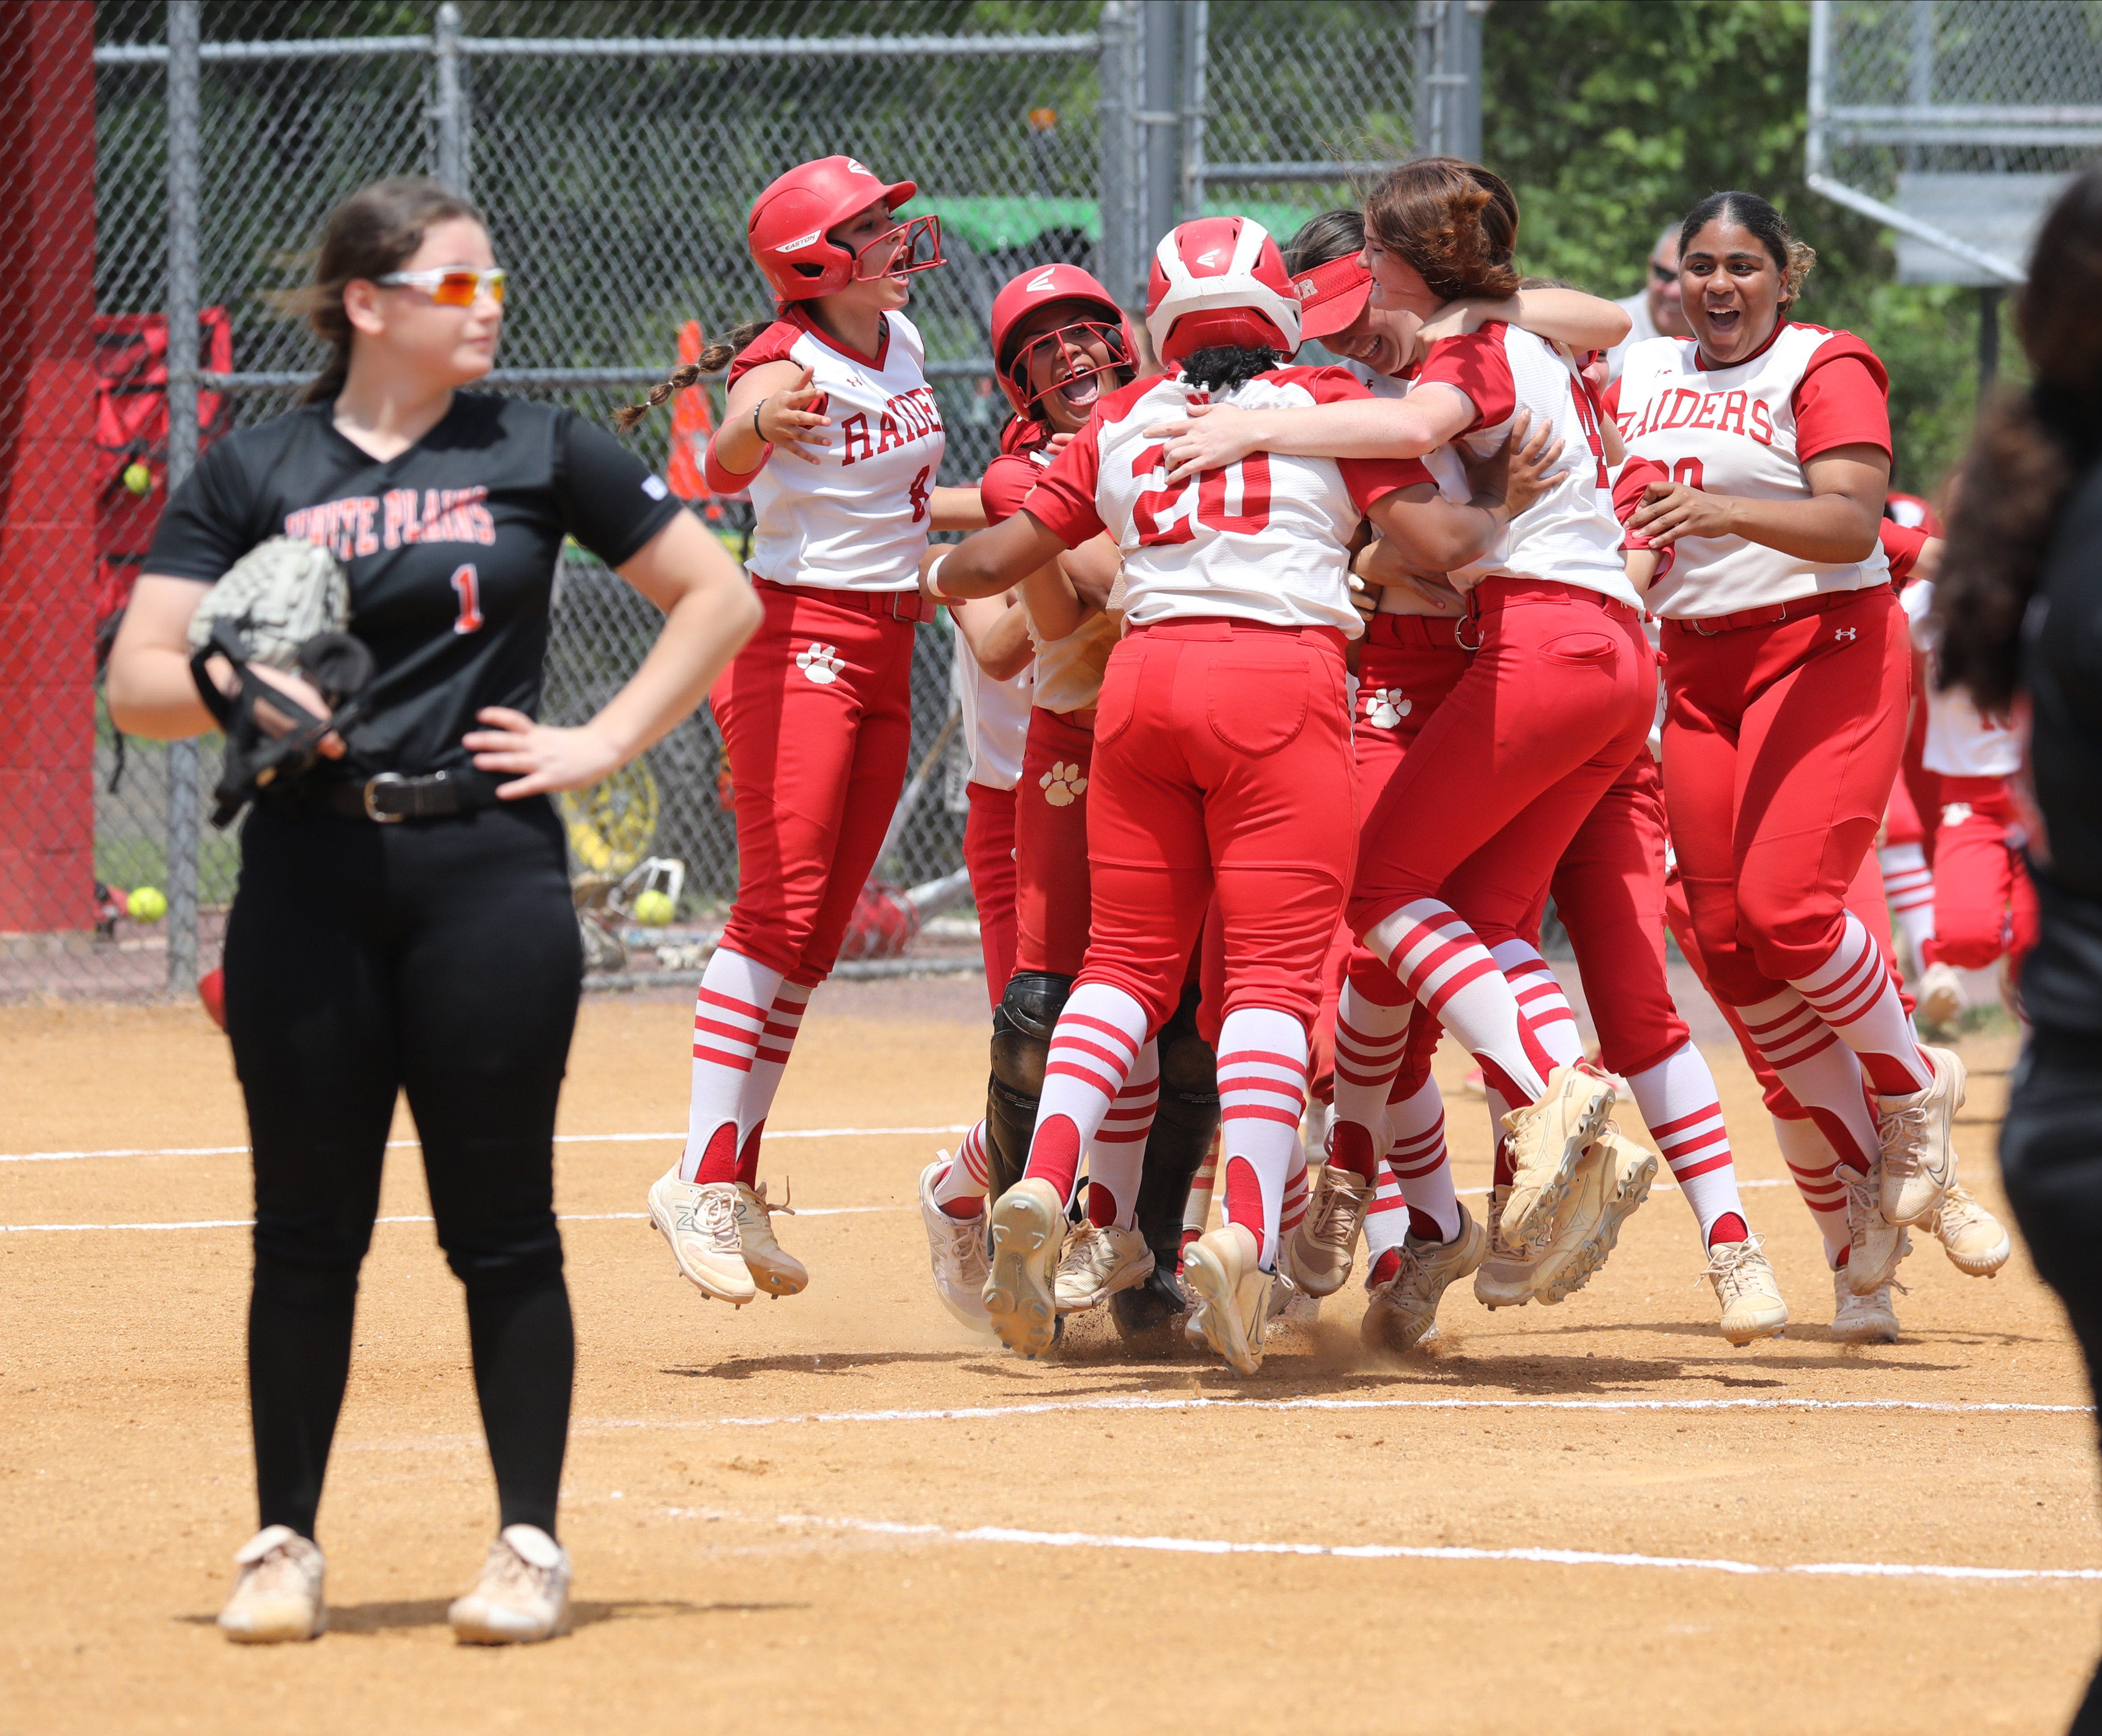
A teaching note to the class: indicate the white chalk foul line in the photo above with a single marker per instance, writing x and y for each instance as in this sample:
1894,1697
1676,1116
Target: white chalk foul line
561,1139
1408,1552
567,1217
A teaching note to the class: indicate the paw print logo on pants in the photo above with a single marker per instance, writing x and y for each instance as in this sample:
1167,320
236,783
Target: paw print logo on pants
1062,784
1385,707
821,663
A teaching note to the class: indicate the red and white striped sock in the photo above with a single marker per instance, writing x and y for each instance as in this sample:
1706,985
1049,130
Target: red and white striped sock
1297,1189
784,1018
1909,884
1197,1208
1503,1169
1854,992
1811,1161
1116,1155
1370,1039
1819,1072
959,1190
1547,1011
1416,1155
1684,1115
1387,1224
1449,973
1094,1046
729,1018
1262,1091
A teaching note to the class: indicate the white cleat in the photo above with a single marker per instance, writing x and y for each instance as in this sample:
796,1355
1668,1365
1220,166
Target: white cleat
956,1247
1608,1190
1097,1263
1549,1143
1503,1280
699,1220
1028,1235
1232,1307
1324,1246
1862,1320
773,1267
1750,1295
1402,1312
1975,1240
1875,1244
1916,1134
522,1596
1942,1001
278,1596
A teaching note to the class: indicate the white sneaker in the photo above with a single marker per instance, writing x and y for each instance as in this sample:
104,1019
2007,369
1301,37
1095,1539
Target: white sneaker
1608,1190
1942,1001
1549,1143
1975,1240
1862,1320
956,1247
1503,1280
523,1594
700,1222
1402,1312
1915,1132
1325,1246
278,1596
1874,1244
1096,1264
773,1267
1750,1295
1232,1296
1028,1235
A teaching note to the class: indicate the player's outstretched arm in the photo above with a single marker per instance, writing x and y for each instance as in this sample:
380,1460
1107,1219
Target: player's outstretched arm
996,632
1213,436
958,509
988,562
1561,316
709,612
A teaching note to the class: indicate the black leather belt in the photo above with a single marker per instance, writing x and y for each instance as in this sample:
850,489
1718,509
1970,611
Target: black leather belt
393,796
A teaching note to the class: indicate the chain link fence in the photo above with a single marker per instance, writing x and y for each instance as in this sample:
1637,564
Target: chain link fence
180,156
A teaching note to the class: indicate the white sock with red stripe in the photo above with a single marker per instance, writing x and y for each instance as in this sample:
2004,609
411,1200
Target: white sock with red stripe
1116,1155
1297,1190
1909,884
1547,1011
959,1190
729,1017
1262,1092
1387,1224
1369,1041
1416,1153
784,1018
1680,1107
1810,1160
1819,1072
1197,1208
1855,994
1448,972
1093,1047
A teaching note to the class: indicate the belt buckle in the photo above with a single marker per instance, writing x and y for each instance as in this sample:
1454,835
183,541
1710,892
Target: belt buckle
372,786
1459,636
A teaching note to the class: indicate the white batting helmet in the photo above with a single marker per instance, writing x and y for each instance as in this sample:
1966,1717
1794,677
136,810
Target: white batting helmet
1219,281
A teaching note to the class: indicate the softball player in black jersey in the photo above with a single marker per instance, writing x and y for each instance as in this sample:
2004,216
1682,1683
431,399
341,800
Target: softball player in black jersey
403,919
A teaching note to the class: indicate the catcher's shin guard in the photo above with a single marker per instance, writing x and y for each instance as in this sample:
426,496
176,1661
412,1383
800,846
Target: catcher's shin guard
1021,1046
1184,1126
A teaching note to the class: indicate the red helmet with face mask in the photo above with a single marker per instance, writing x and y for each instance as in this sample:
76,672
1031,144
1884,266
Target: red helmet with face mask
1100,320
1219,281
786,230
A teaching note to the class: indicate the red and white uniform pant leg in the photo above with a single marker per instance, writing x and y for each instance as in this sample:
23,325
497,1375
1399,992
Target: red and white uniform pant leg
1984,902
1052,899
989,855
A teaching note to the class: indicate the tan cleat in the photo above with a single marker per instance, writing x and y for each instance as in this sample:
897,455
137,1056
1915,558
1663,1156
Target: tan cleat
1549,1143
1750,1295
1875,1244
1028,1234
1609,1189
699,1220
1325,1243
1503,1280
1097,1263
1975,1240
1400,1313
1915,1132
1232,1296
523,1594
278,1596
1941,998
1862,1320
773,1267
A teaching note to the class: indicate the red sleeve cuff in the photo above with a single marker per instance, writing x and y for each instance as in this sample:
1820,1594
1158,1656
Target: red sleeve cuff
1636,475
1071,520
1902,544
722,480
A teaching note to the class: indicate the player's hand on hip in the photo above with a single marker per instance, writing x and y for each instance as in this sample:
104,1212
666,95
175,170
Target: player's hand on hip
787,423
1671,510
1206,436
545,757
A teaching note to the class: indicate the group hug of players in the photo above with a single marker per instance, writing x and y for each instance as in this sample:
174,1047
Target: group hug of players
1295,693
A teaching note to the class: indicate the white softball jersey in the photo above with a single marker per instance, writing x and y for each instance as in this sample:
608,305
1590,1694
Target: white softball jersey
855,517
995,718
1962,741
1748,430
1069,671
1264,539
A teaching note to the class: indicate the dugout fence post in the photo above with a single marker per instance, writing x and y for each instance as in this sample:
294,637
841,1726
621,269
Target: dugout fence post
450,111
1122,256
184,816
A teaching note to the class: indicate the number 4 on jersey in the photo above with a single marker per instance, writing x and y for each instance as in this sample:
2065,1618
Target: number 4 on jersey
467,584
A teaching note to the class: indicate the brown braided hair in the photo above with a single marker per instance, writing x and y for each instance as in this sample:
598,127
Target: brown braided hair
715,357
1455,221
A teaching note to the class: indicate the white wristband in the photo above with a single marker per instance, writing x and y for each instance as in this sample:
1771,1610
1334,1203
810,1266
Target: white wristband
934,587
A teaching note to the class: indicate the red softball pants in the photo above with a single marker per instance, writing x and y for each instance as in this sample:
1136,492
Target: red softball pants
989,857
1984,902
1052,899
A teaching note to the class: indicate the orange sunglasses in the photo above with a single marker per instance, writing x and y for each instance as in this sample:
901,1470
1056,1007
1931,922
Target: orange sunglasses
456,288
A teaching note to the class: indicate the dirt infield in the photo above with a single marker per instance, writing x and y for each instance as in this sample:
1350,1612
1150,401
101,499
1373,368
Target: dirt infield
841,1512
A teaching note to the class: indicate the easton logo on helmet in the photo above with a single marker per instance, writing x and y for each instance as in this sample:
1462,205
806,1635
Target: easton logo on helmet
855,166
1043,280
799,242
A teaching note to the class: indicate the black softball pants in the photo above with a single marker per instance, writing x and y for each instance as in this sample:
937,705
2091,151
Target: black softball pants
2050,1161
440,958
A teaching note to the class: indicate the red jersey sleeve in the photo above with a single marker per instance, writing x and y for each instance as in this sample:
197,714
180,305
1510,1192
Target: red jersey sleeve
1006,484
1475,363
1902,544
1063,500
1609,400
1842,399
772,344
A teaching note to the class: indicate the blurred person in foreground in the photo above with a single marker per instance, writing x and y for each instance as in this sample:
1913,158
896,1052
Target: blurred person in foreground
1655,308
2021,614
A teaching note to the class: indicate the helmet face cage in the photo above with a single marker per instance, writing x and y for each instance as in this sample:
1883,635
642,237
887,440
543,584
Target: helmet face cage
1073,340
912,245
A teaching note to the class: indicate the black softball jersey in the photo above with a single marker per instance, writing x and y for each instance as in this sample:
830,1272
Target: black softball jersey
457,535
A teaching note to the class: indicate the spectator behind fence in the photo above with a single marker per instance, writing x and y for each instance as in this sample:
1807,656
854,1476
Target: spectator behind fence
2021,608
1654,307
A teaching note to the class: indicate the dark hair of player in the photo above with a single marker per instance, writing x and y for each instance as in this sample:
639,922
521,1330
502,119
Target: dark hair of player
2030,448
1792,259
1220,367
373,232
1333,235
1453,220
714,357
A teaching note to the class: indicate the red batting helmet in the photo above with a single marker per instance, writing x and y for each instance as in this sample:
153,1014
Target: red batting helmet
786,230
1040,287
1219,281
